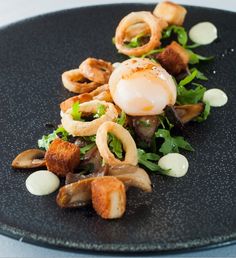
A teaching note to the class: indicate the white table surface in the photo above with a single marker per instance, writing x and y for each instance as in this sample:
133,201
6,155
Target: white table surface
14,10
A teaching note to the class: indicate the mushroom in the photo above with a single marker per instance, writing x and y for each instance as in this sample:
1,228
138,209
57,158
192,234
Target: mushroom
92,160
78,194
132,176
180,115
189,112
145,126
75,177
32,158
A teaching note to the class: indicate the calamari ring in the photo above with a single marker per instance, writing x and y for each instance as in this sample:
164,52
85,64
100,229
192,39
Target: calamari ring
102,93
80,128
124,136
75,81
136,29
155,24
96,70
68,103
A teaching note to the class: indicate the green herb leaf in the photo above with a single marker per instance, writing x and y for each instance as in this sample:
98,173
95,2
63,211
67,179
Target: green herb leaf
115,145
172,144
91,138
146,159
46,140
101,110
195,58
192,46
76,114
188,79
191,96
113,40
199,75
121,119
204,114
182,36
85,149
152,52
136,41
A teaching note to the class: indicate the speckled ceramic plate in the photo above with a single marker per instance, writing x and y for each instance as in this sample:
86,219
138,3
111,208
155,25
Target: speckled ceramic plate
197,210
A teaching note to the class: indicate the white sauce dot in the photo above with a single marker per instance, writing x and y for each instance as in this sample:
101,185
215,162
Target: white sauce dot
42,182
215,97
203,33
176,162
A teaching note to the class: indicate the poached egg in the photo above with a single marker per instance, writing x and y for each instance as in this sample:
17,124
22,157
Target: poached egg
141,87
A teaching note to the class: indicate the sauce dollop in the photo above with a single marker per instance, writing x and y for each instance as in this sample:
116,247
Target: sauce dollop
176,163
42,182
203,33
215,97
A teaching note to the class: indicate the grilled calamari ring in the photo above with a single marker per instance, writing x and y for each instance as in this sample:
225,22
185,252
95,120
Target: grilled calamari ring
124,136
96,70
155,24
80,128
100,93
140,28
68,103
75,81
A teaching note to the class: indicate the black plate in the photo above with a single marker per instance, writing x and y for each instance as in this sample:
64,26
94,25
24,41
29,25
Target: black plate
197,210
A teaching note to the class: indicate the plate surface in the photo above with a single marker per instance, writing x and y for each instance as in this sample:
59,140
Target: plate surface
197,210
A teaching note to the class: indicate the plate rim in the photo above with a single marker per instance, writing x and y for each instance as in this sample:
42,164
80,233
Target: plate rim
146,248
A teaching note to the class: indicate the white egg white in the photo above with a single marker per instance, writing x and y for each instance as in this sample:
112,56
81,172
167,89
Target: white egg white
141,87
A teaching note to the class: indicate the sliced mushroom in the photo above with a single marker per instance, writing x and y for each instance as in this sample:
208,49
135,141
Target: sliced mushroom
92,160
145,126
75,177
79,193
173,116
76,194
188,112
132,176
32,158
180,115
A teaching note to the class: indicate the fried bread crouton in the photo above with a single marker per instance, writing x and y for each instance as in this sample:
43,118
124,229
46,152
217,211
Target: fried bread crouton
62,157
108,197
170,12
174,58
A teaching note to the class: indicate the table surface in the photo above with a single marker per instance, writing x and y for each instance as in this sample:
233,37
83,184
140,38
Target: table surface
15,10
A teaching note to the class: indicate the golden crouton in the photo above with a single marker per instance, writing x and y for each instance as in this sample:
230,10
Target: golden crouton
62,157
108,197
170,12
174,58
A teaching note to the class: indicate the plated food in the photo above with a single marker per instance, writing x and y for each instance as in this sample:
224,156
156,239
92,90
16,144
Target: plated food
128,117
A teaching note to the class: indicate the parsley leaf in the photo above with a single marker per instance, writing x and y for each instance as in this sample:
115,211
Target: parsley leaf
146,159
204,114
195,58
188,78
172,144
76,114
101,110
182,36
199,74
86,148
46,140
135,41
121,119
152,52
191,96
115,145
